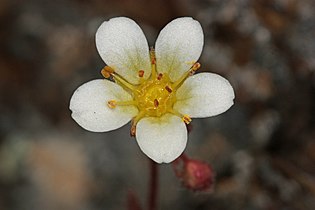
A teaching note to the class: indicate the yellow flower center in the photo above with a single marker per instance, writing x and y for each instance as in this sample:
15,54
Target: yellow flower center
153,97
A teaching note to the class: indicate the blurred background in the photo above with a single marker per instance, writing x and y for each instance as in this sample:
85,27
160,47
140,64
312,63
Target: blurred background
262,149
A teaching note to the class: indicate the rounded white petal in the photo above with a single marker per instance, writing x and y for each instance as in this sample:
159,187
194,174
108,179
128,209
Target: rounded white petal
123,46
89,106
178,46
204,95
162,139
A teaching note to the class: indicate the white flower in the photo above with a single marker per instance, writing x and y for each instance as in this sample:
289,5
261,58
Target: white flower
156,89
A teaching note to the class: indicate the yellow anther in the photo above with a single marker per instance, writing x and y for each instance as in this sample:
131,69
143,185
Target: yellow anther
141,73
169,89
111,104
156,103
107,71
186,119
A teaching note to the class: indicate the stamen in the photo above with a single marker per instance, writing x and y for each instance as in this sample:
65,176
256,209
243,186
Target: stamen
107,71
152,55
135,120
168,89
191,71
133,130
190,62
159,77
186,119
141,73
156,103
111,104
123,82
194,68
153,62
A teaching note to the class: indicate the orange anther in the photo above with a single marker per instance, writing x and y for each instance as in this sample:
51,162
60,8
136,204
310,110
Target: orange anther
153,61
141,73
133,131
107,71
160,75
168,89
152,56
186,119
156,103
196,66
111,104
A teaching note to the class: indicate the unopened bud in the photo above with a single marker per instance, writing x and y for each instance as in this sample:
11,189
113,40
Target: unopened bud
198,175
194,174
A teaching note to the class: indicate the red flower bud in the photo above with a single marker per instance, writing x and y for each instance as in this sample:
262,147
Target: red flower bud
194,174
198,175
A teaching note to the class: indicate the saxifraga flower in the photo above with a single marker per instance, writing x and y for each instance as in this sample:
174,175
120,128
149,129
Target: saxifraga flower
154,88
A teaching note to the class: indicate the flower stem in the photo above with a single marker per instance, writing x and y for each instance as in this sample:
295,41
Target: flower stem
153,186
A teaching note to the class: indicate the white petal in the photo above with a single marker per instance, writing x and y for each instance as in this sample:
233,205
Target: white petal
123,46
162,139
204,95
89,106
178,46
